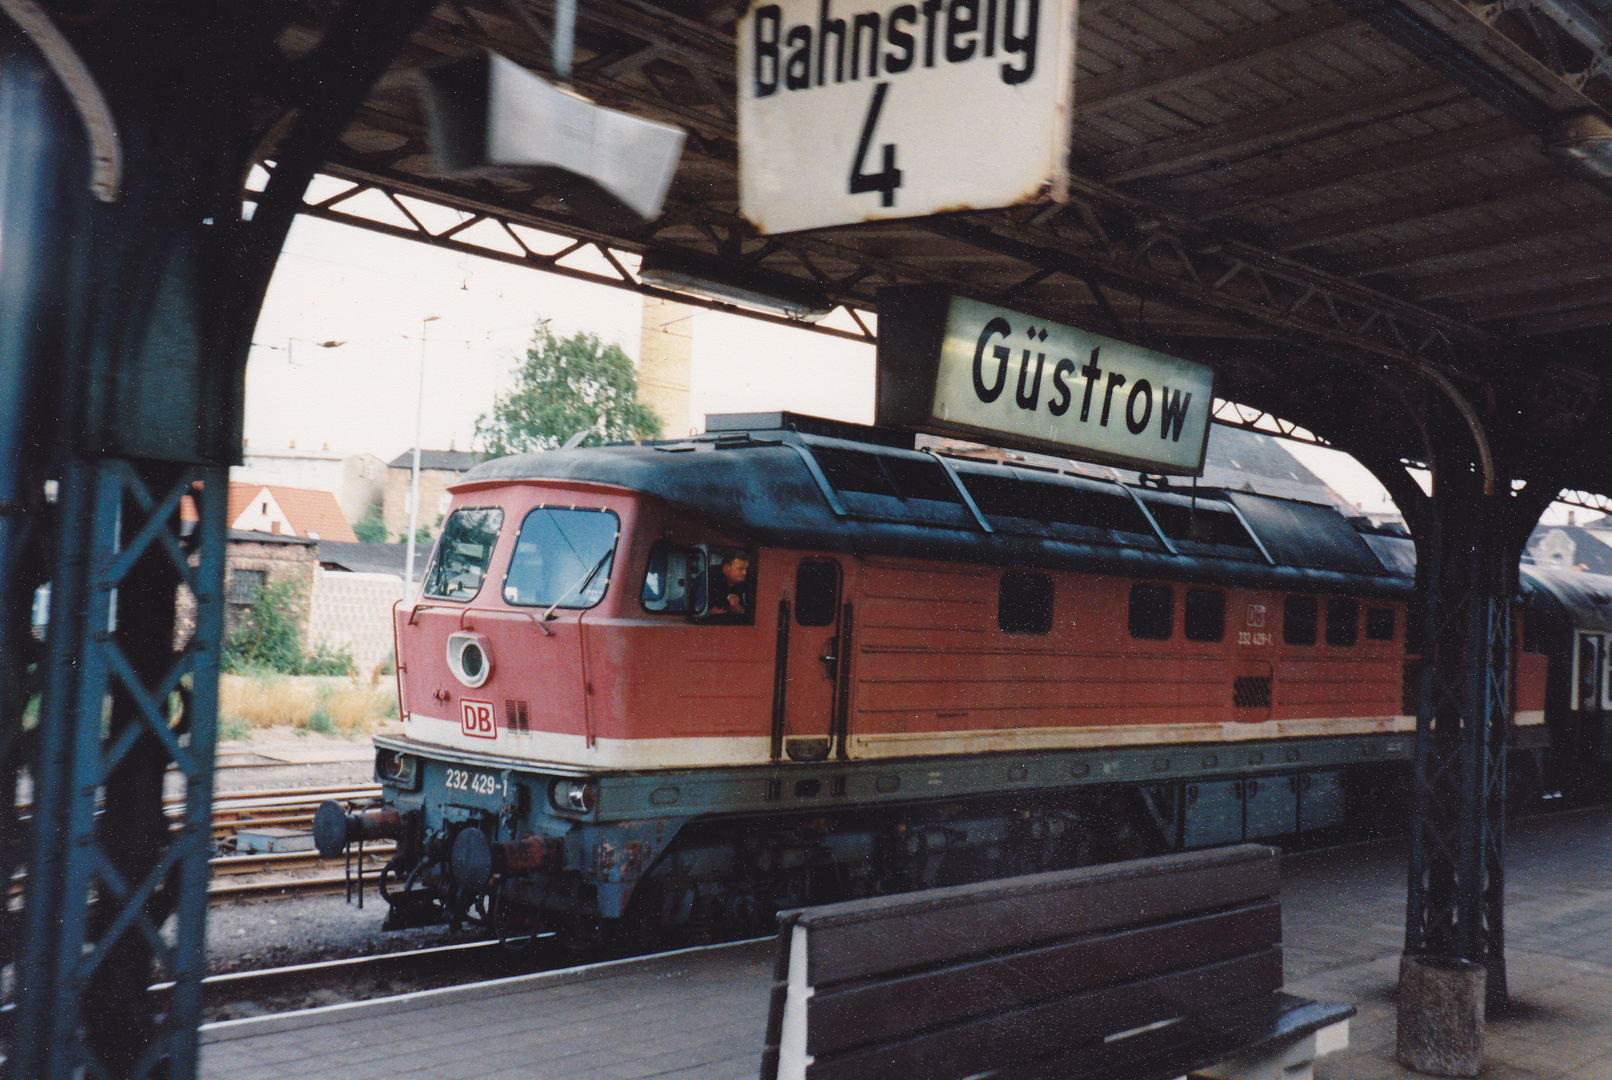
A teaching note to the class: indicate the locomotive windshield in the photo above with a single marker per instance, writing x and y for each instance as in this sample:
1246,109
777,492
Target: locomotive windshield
462,557
562,558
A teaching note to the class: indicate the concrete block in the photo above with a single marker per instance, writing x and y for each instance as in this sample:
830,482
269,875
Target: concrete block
1440,1015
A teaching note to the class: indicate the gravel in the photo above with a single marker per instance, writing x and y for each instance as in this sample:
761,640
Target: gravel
248,934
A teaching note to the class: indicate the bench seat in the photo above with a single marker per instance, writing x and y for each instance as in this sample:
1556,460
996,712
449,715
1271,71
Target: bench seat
1146,970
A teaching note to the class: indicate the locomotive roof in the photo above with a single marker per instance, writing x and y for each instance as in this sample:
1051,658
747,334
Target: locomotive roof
829,486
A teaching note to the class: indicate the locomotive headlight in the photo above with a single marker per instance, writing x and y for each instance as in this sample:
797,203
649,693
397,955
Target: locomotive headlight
399,770
469,658
577,796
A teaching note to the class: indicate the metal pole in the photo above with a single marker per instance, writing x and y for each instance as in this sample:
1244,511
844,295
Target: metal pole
414,478
565,29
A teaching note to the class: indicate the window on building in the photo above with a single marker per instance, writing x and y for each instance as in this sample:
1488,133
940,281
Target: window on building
1343,622
1299,616
1152,611
245,586
1205,615
1024,604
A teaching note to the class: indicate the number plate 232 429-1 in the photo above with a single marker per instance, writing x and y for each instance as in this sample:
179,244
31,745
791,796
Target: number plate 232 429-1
477,783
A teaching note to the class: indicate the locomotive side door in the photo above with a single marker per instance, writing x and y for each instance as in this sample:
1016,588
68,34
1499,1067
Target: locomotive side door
807,696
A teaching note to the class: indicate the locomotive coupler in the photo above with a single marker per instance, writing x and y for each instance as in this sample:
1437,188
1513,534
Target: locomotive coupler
334,828
476,859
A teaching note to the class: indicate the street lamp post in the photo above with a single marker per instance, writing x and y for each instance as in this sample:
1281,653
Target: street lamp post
414,477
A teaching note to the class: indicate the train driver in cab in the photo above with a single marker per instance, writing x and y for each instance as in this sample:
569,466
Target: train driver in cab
730,587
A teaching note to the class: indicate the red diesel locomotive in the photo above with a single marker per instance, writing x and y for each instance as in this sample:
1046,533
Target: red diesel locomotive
792,661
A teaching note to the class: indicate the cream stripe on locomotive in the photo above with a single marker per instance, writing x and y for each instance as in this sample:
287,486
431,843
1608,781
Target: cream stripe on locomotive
547,746
730,750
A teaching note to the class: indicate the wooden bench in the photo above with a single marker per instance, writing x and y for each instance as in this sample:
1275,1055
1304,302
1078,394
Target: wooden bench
1145,970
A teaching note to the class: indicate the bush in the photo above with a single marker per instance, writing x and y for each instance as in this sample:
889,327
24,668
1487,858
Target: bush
233,727
268,639
327,661
269,635
372,529
319,719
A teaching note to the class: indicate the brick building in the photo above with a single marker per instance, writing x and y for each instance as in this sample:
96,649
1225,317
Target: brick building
438,469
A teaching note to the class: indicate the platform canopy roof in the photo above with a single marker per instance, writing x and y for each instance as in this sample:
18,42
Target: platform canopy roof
1351,208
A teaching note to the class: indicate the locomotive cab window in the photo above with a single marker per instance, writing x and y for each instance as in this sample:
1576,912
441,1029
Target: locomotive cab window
730,576
1343,622
1024,604
702,581
1205,615
562,558
667,576
1152,612
460,562
1299,620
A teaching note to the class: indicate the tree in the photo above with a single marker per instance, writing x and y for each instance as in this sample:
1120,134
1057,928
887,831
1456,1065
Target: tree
372,529
269,633
566,386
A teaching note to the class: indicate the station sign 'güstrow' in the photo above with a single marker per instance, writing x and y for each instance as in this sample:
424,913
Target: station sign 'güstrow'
967,369
860,110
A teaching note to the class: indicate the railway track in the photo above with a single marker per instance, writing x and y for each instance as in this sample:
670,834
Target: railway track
358,978
282,873
278,874
289,808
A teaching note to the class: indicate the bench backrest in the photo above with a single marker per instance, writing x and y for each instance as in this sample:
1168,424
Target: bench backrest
956,981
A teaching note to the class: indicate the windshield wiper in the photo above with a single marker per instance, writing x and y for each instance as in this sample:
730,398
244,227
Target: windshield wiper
579,586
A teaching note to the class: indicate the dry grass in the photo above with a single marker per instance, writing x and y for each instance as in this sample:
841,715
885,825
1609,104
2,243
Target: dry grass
326,704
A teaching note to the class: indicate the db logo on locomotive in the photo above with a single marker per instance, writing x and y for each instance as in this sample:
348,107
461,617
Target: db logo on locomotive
476,717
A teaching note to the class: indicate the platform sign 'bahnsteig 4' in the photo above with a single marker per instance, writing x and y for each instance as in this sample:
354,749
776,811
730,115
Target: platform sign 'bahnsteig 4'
972,370
859,110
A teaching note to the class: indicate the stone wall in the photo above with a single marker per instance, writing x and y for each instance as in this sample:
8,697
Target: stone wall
354,611
252,564
249,565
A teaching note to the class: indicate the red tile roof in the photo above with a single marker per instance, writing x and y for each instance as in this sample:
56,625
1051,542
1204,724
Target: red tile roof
308,510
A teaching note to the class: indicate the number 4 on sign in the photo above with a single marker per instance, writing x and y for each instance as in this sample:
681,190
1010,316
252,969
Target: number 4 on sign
887,180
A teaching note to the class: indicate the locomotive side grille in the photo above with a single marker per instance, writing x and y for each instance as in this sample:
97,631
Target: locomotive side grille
517,716
1251,692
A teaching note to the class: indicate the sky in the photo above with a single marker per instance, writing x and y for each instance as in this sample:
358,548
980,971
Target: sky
372,293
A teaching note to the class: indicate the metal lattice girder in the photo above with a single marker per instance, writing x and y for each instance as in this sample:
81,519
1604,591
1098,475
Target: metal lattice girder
1103,250
1455,901
139,297
116,891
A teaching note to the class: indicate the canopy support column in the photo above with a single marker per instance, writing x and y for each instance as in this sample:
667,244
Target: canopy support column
130,296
